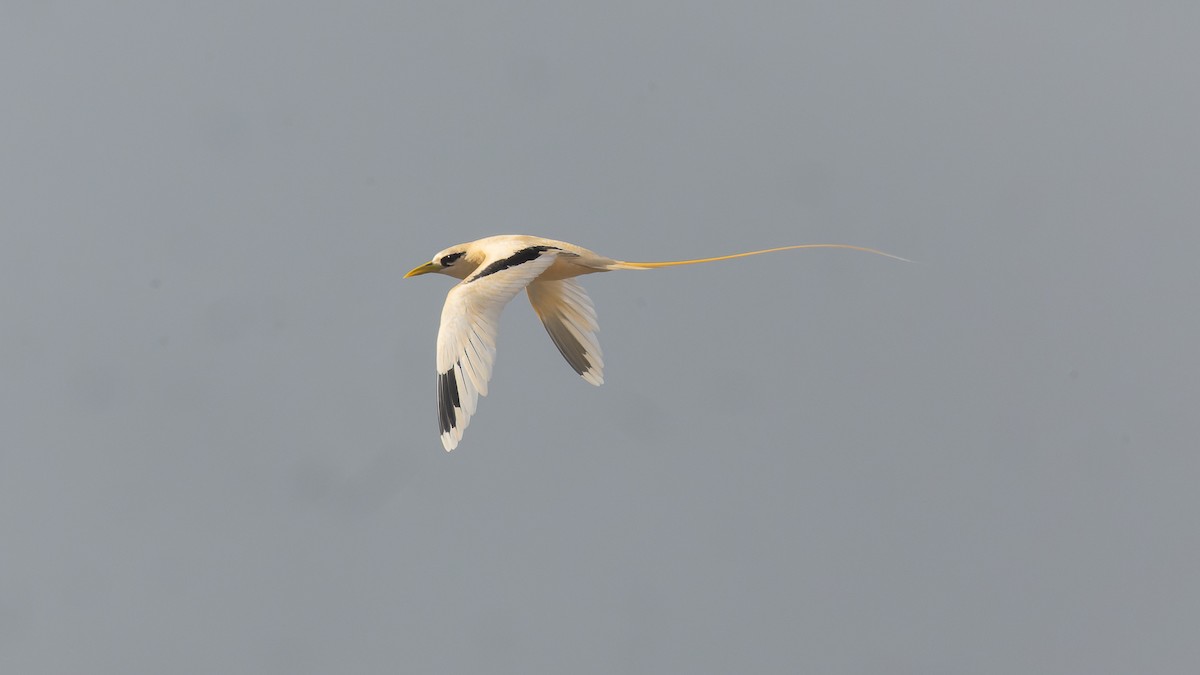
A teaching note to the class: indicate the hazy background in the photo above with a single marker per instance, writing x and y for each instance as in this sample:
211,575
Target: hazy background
218,444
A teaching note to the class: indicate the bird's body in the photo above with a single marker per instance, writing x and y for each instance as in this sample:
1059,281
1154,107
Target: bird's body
493,271
578,261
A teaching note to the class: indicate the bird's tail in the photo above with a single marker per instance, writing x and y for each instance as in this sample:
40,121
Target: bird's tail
625,265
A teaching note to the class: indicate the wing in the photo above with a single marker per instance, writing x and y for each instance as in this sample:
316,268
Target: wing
466,345
569,317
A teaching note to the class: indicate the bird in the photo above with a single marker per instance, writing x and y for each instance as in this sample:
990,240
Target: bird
492,271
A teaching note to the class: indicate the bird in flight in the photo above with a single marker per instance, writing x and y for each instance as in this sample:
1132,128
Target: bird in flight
493,271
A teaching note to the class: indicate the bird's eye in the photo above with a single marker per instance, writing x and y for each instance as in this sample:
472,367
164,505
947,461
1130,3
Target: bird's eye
448,260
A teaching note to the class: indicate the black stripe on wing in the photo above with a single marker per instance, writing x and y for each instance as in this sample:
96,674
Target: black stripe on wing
522,256
448,401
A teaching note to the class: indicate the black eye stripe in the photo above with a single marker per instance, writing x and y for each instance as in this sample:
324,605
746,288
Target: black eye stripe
448,260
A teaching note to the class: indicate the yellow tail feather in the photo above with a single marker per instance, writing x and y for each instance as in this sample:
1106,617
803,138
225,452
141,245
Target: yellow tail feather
621,264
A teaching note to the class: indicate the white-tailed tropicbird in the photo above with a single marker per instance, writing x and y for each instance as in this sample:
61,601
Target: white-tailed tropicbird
493,270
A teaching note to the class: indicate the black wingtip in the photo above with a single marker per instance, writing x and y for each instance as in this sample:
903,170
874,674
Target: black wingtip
448,400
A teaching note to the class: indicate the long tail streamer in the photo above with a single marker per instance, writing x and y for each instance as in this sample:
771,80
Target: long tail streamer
622,264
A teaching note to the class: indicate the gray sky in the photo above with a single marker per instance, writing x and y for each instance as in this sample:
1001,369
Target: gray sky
219,446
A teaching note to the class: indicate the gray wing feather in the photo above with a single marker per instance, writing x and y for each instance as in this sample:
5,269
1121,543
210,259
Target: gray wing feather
570,318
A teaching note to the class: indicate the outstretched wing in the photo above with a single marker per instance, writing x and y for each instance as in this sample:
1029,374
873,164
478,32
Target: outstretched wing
466,345
569,317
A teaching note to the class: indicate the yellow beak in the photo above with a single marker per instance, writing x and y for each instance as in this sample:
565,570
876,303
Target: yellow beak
423,269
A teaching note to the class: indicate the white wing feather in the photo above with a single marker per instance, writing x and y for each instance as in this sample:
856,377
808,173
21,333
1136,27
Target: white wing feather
570,318
466,345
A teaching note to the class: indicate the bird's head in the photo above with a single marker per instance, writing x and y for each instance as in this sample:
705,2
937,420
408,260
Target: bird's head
455,261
